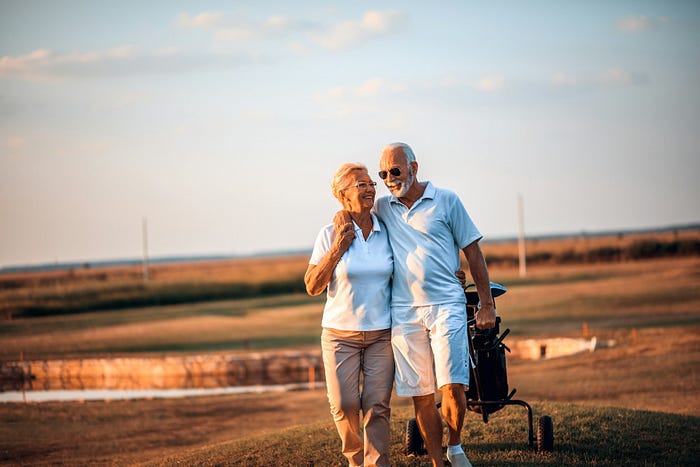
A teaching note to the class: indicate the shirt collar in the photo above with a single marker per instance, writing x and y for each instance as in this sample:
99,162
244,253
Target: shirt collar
375,224
428,193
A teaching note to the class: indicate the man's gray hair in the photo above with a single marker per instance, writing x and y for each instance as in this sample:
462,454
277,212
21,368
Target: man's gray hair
339,182
406,150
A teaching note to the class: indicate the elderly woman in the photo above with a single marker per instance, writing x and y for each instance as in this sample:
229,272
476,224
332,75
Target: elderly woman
353,261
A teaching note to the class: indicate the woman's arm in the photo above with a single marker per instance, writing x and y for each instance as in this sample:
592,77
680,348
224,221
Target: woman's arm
319,275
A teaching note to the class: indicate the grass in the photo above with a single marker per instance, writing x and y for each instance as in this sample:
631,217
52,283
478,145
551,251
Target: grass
87,289
632,404
584,436
259,430
554,301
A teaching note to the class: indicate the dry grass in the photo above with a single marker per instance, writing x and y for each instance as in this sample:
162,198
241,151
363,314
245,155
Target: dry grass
584,243
553,301
126,432
95,287
659,373
651,308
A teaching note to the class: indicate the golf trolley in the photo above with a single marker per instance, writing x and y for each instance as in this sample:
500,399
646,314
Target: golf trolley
488,388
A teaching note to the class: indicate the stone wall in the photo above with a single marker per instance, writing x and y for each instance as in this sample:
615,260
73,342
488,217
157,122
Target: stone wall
212,371
172,372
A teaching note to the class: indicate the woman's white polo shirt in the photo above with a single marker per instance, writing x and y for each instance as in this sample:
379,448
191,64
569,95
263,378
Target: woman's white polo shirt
359,293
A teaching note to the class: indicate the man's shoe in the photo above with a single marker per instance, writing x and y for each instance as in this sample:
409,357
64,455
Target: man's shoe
458,460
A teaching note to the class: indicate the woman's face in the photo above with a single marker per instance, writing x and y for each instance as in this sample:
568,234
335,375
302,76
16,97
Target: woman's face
360,192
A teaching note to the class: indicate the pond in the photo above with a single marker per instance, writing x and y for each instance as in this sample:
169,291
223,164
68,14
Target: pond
153,377
124,394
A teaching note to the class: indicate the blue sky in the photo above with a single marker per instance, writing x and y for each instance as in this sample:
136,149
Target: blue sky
223,122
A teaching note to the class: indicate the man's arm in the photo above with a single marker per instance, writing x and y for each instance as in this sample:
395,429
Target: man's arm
486,316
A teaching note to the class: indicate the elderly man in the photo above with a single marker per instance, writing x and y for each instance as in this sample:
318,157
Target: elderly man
427,227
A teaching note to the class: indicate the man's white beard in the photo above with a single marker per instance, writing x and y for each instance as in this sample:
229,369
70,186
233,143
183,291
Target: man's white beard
405,186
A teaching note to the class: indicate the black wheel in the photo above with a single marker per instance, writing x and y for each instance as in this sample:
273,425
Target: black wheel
545,434
414,441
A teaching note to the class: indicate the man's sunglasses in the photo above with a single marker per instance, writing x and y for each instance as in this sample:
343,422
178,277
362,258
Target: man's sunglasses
395,172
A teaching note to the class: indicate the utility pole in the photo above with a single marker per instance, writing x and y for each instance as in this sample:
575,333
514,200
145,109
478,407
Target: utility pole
521,239
144,229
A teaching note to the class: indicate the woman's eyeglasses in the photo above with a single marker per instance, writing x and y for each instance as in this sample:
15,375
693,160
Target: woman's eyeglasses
395,172
362,185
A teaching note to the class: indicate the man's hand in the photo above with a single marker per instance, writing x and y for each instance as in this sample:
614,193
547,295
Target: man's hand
344,231
486,317
462,277
341,217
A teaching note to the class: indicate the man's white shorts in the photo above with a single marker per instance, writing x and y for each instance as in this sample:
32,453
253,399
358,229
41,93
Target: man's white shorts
429,343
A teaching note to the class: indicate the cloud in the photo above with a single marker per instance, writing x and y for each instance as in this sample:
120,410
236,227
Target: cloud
228,28
45,64
204,20
371,88
620,77
490,84
636,23
367,99
235,28
15,143
351,33
13,148
610,77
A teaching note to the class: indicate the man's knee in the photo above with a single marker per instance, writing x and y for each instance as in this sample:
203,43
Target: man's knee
454,393
420,402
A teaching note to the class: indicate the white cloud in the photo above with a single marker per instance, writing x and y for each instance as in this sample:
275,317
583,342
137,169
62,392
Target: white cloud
490,83
44,64
236,28
373,87
365,99
15,143
616,76
564,79
350,33
204,20
22,64
636,23
14,148
610,77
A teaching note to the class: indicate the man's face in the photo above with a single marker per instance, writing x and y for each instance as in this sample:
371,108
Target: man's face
393,159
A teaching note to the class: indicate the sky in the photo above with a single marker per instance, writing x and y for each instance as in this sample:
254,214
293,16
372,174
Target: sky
221,123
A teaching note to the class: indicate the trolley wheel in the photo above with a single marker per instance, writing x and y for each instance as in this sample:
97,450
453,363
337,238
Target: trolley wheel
545,434
414,445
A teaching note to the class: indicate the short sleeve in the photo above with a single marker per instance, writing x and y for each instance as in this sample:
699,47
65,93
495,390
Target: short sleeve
322,245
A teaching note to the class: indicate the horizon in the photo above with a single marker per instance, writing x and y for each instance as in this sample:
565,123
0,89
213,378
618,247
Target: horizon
135,260
222,123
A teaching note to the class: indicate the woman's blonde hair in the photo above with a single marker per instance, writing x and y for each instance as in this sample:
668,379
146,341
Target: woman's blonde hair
339,183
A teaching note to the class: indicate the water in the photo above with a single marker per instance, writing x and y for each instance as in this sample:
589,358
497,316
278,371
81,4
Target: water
66,395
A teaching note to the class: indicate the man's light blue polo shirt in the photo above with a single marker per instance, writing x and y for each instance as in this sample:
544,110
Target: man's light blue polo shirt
426,241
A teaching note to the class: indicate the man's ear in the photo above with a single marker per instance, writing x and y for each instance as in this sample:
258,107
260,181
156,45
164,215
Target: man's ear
414,167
